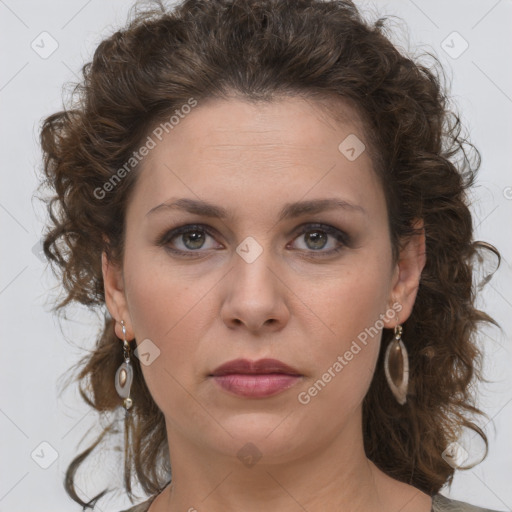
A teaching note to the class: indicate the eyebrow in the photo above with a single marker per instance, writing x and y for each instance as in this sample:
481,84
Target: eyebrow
289,210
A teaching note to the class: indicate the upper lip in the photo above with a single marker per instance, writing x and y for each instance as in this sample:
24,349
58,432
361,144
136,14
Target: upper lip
261,366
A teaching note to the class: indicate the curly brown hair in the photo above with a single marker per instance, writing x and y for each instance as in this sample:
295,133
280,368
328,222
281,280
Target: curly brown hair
260,50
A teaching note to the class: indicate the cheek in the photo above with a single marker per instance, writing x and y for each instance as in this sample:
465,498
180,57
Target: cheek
171,321
351,307
174,311
171,316
161,297
354,298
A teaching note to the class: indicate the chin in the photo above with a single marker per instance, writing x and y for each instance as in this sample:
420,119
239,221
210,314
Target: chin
257,435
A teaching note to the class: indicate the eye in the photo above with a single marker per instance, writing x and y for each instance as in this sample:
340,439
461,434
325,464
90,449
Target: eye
192,237
317,235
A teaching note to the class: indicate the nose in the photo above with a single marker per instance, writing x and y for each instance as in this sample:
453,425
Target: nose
255,296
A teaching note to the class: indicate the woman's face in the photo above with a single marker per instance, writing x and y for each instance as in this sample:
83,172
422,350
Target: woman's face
312,289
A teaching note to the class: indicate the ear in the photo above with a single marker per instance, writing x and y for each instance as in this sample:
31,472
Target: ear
115,298
406,279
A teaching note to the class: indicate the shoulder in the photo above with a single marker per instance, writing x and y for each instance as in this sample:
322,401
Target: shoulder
441,503
141,507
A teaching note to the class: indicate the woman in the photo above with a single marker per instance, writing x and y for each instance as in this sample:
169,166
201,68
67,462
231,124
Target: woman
263,195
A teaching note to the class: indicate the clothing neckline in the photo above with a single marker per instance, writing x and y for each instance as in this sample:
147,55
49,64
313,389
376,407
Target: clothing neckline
436,499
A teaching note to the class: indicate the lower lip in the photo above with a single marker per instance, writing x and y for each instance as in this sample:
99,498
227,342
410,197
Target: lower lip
256,385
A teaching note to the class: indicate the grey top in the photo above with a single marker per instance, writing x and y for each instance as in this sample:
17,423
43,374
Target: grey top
439,504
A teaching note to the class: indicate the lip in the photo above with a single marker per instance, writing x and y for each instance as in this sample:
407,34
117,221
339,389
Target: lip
255,379
261,366
256,385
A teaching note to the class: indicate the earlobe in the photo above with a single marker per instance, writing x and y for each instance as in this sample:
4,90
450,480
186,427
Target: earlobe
410,265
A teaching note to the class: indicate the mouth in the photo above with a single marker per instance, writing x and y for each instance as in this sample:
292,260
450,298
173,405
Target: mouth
255,379
259,367
256,385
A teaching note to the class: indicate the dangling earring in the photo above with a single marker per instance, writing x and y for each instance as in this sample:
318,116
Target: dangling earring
396,367
124,374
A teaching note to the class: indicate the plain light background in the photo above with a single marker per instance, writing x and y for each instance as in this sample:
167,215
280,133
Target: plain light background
472,39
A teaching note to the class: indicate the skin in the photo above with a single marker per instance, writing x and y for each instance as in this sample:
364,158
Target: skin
290,303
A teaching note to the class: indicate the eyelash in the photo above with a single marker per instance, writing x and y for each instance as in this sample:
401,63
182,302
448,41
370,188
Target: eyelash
340,236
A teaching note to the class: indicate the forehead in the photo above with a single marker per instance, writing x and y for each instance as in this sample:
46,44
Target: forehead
257,149
301,122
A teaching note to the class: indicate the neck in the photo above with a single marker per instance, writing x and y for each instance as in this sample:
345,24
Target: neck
333,474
